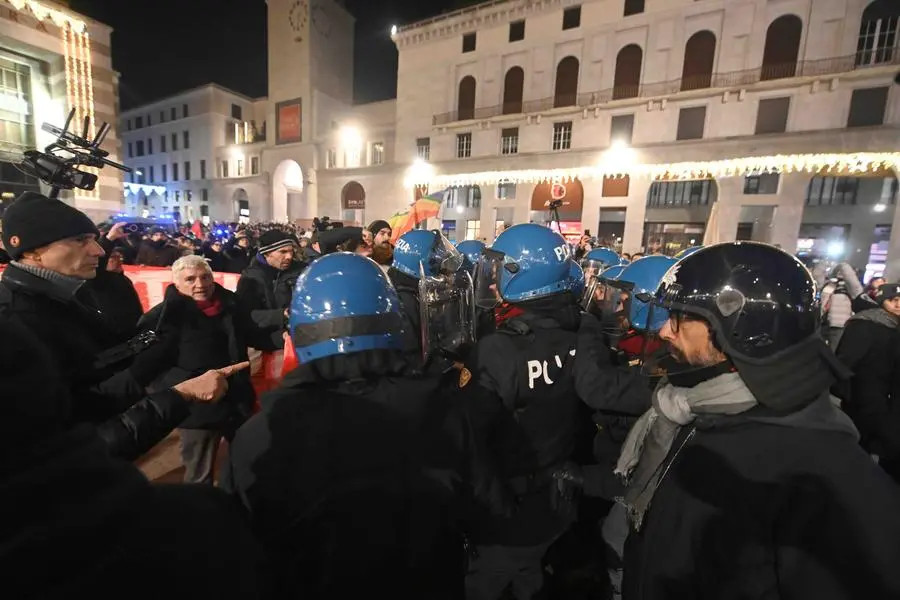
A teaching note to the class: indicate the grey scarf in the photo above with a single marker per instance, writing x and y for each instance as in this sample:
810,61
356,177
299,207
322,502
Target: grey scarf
69,285
650,440
877,315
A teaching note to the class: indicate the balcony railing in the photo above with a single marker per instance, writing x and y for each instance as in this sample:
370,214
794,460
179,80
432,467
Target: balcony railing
733,79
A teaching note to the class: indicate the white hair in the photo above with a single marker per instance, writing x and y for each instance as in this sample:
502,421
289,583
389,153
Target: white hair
191,261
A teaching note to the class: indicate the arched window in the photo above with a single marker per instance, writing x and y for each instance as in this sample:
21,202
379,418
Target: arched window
699,55
465,103
782,48
566,92
353,196
879,33
627,82
513,85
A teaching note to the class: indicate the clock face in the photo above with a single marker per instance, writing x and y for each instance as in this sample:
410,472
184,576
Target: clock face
321,21
298,15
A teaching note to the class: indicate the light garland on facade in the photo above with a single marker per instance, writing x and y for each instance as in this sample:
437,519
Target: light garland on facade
42,12
854,163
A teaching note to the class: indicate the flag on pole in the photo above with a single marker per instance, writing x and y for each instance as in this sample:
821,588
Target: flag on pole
426,207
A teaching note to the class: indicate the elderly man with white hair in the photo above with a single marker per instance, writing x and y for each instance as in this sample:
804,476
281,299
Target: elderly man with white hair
211,330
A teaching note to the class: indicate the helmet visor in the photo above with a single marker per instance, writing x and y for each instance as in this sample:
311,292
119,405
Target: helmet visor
447,311
488,272
445,258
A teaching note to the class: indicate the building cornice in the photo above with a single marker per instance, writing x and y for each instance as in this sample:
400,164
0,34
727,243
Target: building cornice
473,18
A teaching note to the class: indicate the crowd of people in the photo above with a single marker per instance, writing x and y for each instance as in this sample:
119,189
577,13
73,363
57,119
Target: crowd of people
525,419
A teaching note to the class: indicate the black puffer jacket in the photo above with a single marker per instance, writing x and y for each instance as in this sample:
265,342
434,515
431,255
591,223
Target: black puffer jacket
110,396
201,343
265,292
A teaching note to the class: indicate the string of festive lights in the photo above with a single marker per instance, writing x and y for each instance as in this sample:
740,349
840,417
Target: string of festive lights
850,164
43,12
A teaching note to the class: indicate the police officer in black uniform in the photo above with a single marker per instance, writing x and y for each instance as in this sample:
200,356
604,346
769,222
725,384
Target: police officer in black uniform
520,389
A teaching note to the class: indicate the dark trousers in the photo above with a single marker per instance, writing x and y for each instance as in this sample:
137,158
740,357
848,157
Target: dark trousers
495,567
198,453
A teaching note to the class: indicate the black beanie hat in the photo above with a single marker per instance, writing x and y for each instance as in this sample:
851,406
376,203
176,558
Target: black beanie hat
275,239
887,291
376,226
34,220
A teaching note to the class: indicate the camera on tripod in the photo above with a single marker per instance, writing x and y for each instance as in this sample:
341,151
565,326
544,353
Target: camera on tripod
57,165
555,204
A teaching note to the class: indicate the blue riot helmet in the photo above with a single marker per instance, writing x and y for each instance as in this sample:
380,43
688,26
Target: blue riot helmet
526,262
471,251
613,273
344,303
421,249
687,252
638,283
577,279
594,263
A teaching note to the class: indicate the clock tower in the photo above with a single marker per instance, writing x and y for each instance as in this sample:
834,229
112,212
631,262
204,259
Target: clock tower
310,58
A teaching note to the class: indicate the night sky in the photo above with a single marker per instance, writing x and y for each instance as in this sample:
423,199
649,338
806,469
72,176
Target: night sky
166,46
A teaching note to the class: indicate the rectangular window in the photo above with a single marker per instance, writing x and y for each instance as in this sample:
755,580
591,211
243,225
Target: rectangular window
174,171
139,147
150,146
463,145
184,110
621,129
225,169
174,114
634,7
473,229
236,112
691,123
141,178
562,135
240,168
202,169
831,191
378,153
468,42
130,150
162,116
162,143
163,173
516,31
188,195
772,115
174,142
138,122
254,165
204,197
423,148
867,106
509,140
149,121
152,177
571,17
764,183
128,124
506,190
331,159
187,139
177,196
187,170
678,194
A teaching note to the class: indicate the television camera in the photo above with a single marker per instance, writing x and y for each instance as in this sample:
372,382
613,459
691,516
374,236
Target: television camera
57,165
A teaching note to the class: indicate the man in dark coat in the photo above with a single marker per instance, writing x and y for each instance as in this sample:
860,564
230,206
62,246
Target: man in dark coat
55,253
158,251
870,347
265,287
210,331
81,524
745,480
